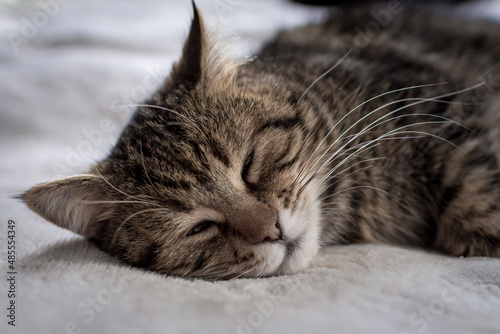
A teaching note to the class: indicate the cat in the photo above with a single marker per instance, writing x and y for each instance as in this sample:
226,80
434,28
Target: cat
348,131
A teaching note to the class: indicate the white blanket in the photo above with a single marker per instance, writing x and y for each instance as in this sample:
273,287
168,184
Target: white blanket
68,72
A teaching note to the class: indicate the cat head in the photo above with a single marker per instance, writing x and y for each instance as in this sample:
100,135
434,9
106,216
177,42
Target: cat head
208,179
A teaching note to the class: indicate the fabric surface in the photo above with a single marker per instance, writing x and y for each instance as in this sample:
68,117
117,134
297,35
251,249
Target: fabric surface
69,73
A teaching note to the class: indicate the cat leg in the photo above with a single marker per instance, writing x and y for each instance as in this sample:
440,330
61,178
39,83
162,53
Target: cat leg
469,223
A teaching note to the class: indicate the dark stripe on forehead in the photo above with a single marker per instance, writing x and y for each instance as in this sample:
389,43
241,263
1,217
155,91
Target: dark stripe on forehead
189,167
173,184
283,123
177,130
218,151
176,205
137,172
196,150
214,147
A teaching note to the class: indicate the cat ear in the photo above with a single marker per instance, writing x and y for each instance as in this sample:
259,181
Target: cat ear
203,58
74,203
188,70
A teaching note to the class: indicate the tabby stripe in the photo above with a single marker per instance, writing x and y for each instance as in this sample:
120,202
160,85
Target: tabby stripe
353,233
459,135
202,258
177,130
218,152
201,159
472,161
287,201
138,173
285,165
491,240
149,257
478,158
285,152
176,205
172,184
190,168
285,123
199,263
197,151
319,130
451,193
288,164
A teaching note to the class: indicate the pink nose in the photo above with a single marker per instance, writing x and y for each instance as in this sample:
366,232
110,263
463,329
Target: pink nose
274,233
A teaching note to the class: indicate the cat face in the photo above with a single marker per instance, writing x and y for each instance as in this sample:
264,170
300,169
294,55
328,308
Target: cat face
207,180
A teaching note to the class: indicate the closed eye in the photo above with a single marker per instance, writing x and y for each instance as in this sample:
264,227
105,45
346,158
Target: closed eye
246,167
204,225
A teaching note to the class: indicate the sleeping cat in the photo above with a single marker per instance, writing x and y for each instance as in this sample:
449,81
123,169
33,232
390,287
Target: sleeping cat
350,131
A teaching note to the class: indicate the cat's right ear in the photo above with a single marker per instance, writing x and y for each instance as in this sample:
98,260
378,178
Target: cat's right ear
78,203
188,71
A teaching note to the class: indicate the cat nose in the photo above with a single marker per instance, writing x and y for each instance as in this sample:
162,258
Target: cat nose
274,233
255,223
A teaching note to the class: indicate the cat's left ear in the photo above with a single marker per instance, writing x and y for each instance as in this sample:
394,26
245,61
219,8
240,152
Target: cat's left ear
78,203
189,69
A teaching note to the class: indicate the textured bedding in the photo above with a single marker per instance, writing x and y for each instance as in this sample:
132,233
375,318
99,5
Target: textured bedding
70,72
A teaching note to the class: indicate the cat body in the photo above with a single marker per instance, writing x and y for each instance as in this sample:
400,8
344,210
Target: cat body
245,168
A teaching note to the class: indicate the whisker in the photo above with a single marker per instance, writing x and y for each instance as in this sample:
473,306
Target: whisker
390,113
357,187
306,165
120,191
323,75
427,115
326,176
368,127
365,146
385,137
356,171
393,132
432,135
338,154
362,145
419,101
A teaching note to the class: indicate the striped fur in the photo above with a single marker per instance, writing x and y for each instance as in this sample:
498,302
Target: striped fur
243,169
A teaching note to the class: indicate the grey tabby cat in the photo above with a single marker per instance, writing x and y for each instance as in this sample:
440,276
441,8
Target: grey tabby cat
333,135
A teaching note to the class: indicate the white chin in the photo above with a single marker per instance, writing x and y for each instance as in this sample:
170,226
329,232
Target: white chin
289,259
302,234
301,243
299,258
